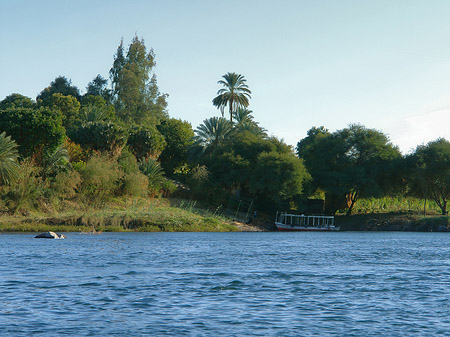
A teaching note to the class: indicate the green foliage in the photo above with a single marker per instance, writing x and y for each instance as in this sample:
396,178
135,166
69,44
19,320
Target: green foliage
100,176
146,142
106,136
154,172
349,164
66,183
178,135
27,191
16,101
133,183
279,175
60,85
430,176
234,94
55,162
135,90
95,109
69,107
34,130
209,135
8,159
98,88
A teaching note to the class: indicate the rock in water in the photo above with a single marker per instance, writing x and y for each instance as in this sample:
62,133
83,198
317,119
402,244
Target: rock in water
50,235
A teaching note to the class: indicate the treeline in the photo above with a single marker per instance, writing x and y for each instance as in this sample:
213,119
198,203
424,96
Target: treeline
117,139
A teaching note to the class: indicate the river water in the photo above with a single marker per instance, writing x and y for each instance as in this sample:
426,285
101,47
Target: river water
226,284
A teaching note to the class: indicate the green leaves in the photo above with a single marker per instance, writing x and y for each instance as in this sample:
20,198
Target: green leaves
235,93
8,159
350,163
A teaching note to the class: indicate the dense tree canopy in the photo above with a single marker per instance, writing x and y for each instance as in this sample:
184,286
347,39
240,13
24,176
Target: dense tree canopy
349,164
134,87
60,85
431,172
34,130
178,135
16,101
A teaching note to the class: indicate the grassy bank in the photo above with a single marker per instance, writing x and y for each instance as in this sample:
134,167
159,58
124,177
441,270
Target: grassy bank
393,222
137,215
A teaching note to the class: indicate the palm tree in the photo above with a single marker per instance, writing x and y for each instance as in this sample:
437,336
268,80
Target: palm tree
212,131
242,115
9,168
209,135
235,93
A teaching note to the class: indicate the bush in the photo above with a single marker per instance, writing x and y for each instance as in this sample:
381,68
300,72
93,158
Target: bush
66,184
28,190
99,179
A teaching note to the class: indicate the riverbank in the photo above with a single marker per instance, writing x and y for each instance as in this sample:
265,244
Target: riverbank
137,215
393,222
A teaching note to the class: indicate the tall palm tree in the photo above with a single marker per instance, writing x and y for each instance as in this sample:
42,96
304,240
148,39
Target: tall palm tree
9,168
234,94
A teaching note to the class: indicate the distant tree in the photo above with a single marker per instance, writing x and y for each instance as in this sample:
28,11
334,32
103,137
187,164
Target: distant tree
60,85
16,101
36,131
242,115
68,106
349,164
431,172
146,142
99,87
211,133
278,175
234,94
95,108
8,159
135,91
102,136
178,135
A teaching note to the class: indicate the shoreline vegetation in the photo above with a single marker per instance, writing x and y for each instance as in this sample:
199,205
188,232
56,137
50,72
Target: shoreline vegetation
175,215
111,158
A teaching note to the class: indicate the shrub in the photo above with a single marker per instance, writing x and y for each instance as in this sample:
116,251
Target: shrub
66,184
99,179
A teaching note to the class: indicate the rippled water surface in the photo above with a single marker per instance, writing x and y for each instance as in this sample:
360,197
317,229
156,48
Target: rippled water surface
226,284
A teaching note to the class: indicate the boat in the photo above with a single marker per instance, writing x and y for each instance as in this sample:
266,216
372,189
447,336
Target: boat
304,223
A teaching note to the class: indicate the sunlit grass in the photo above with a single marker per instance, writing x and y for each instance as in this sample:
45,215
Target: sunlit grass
140,215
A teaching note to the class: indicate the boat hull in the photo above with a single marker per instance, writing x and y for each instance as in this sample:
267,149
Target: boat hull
289,228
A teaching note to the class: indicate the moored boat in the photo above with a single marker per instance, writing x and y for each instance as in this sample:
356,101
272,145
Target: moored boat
306,223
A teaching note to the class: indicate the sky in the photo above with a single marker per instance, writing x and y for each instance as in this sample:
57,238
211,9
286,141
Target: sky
382,64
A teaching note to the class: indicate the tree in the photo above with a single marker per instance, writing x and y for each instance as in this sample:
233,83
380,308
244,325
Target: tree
280,176
67,105
8,159
146,142
209,134
60,85
16,101
135,91
235,93
349,164
264,170
431,171
36,131
98,87
179,136
103,136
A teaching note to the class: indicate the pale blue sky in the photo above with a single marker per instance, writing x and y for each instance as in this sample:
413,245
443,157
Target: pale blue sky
384,64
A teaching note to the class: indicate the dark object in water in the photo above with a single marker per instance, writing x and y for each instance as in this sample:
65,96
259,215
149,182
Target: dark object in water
49,235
